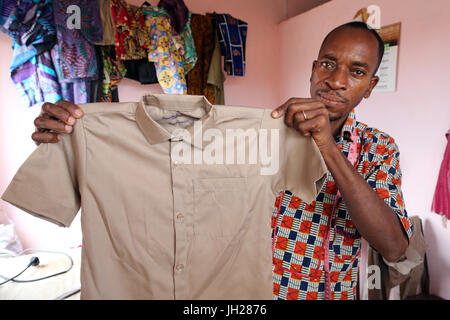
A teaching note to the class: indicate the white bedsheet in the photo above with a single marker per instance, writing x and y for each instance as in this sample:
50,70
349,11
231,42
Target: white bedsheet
47,289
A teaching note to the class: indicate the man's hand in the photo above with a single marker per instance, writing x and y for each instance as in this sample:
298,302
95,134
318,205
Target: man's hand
55,118
310,118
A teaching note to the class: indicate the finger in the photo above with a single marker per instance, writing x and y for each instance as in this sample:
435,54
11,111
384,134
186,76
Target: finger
297,120
311,126
312,113
57,112
74,110
281,110
45,137
62,110
309,107
43,123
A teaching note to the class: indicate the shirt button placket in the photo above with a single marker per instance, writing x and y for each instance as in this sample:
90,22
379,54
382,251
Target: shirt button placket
180,189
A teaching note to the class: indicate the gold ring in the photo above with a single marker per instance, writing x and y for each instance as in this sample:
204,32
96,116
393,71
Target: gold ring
304,114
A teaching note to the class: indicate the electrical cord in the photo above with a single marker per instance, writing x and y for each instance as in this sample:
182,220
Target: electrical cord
34,262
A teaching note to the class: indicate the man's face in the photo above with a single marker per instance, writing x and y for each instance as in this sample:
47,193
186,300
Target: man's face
343,74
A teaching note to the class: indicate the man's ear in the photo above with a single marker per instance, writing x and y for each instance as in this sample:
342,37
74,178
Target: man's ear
373,83
312,70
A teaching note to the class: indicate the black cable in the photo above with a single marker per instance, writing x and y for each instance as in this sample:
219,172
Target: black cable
33,262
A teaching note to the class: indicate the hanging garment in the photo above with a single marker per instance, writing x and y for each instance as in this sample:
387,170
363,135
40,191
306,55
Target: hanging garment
441,199
233,37
216,76
6,8
406,273
31,26
36,80
197,79
160,227
131,33
186,46
74,55
76,52
141,70
113,72
178,13
109,32
163,52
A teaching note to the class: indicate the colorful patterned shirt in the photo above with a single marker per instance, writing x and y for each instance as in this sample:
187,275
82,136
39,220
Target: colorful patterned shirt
298,254
164,52
131,32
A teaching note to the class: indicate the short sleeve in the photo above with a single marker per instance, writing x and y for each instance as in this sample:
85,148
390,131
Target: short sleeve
386,179
302,169
47,183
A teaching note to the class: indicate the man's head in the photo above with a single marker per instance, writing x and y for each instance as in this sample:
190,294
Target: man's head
344,72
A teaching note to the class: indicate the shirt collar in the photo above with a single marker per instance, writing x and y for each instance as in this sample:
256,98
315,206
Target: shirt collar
347,128
192,105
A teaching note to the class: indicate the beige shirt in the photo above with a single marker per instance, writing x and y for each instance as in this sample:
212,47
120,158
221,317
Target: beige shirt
155,226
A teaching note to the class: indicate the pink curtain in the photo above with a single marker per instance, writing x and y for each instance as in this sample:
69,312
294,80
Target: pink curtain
441,200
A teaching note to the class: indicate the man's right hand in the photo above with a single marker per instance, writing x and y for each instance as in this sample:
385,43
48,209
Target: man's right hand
56,118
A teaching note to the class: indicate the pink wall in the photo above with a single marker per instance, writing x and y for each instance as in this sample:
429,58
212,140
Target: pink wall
417,115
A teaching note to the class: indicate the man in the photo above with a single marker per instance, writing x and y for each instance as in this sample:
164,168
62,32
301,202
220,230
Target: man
316,246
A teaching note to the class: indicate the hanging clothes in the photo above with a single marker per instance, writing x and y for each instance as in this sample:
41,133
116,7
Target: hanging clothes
132,37
164,53
30,24
113,72
204,39
74,55
76,51
141,70
216,76
109,32
186,46
233,37
441,199
36,80
178,13
6,8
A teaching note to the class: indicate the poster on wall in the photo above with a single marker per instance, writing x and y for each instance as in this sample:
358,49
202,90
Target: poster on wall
387,72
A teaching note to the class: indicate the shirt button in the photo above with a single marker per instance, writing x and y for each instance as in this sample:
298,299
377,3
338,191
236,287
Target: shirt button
180,217
180,267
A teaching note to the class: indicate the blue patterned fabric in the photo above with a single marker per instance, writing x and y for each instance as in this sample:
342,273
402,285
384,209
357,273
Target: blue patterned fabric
232,38
31,26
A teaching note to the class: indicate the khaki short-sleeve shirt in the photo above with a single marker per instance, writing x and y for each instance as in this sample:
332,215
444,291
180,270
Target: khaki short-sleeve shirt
176,195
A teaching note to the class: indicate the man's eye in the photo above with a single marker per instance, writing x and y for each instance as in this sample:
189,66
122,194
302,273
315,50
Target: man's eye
359,73
327,64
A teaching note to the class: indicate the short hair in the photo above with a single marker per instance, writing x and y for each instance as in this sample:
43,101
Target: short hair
362,26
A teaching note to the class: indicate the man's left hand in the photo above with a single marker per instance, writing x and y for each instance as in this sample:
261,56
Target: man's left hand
310,118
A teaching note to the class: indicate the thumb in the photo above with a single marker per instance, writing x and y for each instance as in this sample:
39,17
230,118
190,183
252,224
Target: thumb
279,112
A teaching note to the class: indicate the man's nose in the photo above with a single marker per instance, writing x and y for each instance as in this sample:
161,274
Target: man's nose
338,79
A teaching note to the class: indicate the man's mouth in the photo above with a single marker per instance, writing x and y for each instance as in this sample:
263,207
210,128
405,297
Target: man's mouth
330,99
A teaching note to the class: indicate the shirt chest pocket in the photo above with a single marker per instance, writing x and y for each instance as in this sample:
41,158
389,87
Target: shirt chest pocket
220,206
